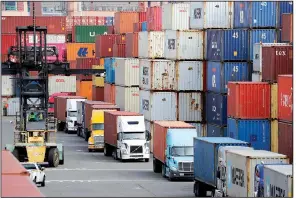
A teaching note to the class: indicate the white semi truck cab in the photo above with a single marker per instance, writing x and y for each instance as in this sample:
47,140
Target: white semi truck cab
71,114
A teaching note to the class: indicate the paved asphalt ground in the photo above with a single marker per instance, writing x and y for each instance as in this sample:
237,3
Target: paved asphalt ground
87,174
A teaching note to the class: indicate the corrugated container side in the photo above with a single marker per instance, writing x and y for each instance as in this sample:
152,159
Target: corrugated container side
143,44
124,21
219,74
80,50
7,40
104,45
216,131
179,15
158,105
157,74
60,105
137,27
73,64
154,18
118,50
248,100
285,144
8,85
274,136
190,107
127,98
98,81
120,39
110,70
142,16
184,45
155,44
127,72
216,109
97,93
190,75
285,7
109,21
57,84
285,98
144,26
87,34
110,30
287,28
109,93
218,15
276,60
242,14
84,89
274,101
263,14
256,132
13,106
201,129
263,36
87,63
196,18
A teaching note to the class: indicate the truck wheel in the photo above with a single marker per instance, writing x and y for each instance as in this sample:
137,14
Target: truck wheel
199,190
163,171
106,150
156,166
53,157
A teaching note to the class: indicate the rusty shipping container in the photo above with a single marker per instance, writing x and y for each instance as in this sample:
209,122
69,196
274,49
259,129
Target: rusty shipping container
285,140
154,18
80,50
131,46
9,23
73,64
110,30
109,93
118,50
104,45
7,40
142,16
285,98
248,100
84,88
110,125
124,21
160,132
60,105
86,63
97,93
276,60
287,28
120,39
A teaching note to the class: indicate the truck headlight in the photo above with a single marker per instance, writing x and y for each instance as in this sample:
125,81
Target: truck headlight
147,151
174,169
124,151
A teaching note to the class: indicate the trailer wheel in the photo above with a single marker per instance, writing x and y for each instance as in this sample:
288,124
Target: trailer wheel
199,190
53,157
106,150
156,166
163,171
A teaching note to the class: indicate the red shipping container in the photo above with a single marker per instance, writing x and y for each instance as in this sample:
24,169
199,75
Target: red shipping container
287,28
142,16
285,140
120,39
285,98
55,25
110,30
9,24
101,21
60,105
118,50
97,93
276,60
109,93
7,40
110,125
123,21
104,45
73,64
11,166
159,136
154,18
248,100
92,21
131,46
86,63
137,27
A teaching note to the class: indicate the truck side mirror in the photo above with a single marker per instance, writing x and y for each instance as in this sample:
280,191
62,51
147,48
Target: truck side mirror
148,135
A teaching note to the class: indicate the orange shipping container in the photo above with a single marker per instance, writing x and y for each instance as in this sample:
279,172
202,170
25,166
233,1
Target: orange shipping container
159,136
102,61
109,93
124,21
84,88
80,50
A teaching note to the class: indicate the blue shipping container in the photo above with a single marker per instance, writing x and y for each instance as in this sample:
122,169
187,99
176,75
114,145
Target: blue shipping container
109,21
261,35
227,45
242,14
17,91
216,131
284,7
144,26
256,132
219,74
206,156
216,108
110,71
263,14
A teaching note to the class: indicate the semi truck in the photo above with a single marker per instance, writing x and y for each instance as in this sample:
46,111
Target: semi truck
51,101
96,139
125,136
66,112
173,149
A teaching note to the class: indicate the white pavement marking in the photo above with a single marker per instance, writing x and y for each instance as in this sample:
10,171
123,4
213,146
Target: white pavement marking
115,180
84,169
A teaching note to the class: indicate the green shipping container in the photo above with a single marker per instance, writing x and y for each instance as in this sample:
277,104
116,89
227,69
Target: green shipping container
87,34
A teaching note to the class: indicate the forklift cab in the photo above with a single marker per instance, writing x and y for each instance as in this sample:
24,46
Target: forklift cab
35,120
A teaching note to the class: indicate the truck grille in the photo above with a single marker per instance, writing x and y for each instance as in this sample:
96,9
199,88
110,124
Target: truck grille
185,166
98,140
136,149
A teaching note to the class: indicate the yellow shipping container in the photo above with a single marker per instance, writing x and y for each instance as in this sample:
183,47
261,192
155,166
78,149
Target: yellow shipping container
274,101
80,50
274,136
98,81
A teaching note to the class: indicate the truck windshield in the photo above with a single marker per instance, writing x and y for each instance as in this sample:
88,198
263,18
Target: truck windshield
72,113
182,151
98,126
133,136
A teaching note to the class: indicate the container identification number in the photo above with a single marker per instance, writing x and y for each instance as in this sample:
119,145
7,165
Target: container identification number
238,177
235,35
235,69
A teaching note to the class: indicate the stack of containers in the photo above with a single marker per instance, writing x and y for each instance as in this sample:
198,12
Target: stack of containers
286,21
284,139
109,85
98,83
249,113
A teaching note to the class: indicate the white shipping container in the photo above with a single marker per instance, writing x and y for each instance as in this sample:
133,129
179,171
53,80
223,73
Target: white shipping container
190,106
175,16
205,15
126,71
157,74
149,127
13,106
184,45
278,181
79,112
158,105
8,85
257,54
57,84
50,39
256,77
201,129
241,169
151,44
127,98
190,75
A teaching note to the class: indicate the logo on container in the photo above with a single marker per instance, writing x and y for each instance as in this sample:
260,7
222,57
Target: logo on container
280,53
60,80
82,52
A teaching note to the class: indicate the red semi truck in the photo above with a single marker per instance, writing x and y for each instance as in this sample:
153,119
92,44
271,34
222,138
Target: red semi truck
51,101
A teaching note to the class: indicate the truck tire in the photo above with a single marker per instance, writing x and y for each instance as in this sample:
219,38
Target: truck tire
199,190
53,157
156,166
106,150
163,171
